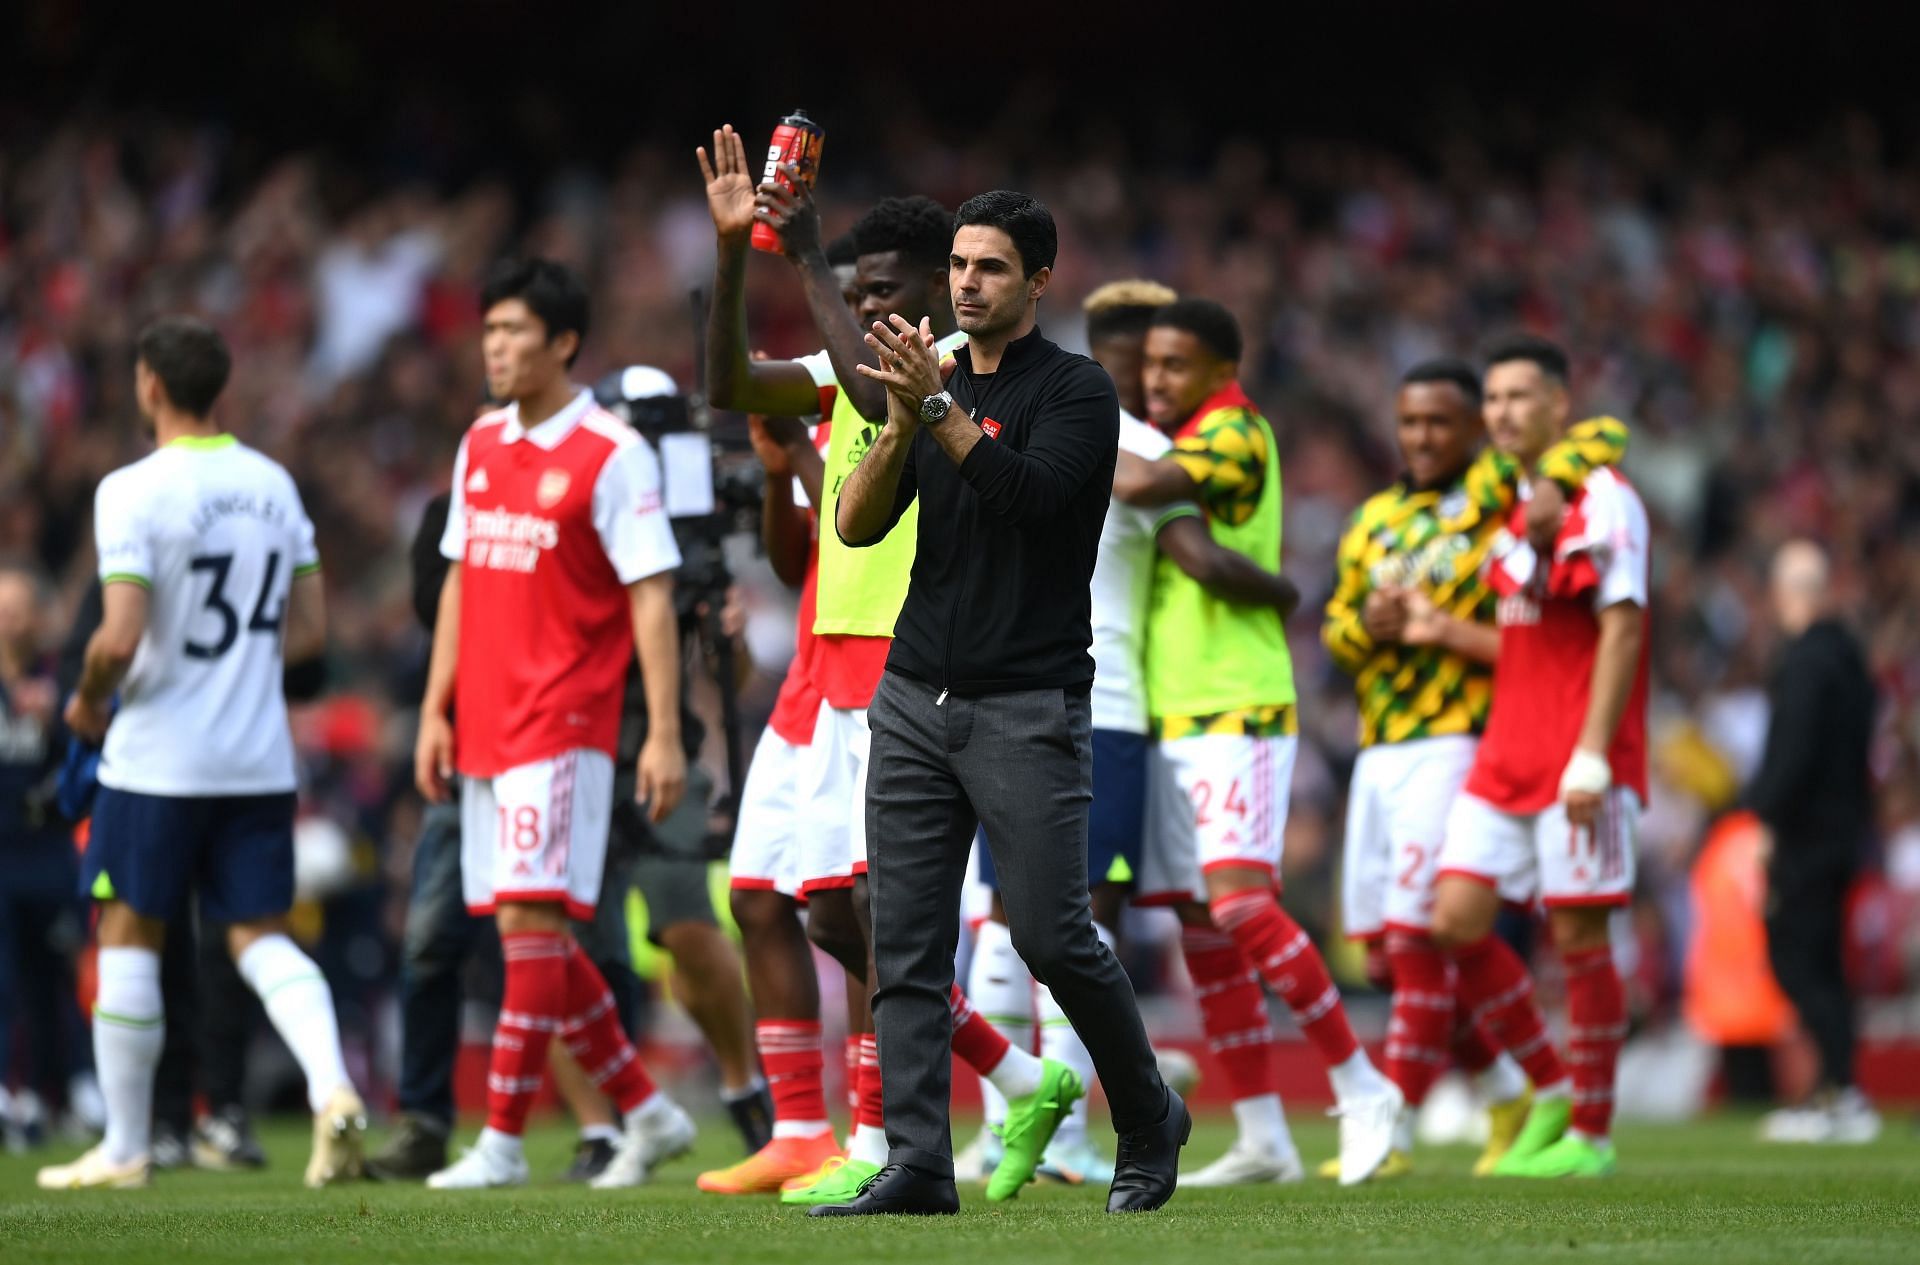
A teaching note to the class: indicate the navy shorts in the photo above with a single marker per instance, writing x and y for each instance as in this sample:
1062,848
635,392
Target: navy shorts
235,851
1116,824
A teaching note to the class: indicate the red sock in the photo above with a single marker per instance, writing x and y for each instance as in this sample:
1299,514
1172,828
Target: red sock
1596,1029
867,1111
1291,966
853,1074
1233,1010
790,1055
1474,1048
1423,1006
1495,985
593,1035
530,1009
974,1039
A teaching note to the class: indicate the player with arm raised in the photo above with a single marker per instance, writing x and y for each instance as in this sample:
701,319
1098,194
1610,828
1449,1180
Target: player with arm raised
210,582
1551,807
562,569
1412,621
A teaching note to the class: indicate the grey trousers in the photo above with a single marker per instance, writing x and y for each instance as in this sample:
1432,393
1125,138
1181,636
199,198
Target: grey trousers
1021,765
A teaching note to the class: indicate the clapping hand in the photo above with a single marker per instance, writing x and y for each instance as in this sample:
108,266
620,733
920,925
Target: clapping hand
1426,624
909,363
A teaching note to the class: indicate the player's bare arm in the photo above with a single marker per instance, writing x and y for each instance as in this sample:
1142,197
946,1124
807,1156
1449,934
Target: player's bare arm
662,773
1615,660
1155,483
433,749
792,212
306,628
779,388
1427,625
1225,573
783,525
110,653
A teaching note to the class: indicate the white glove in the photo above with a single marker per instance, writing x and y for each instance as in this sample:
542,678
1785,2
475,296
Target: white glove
1586,771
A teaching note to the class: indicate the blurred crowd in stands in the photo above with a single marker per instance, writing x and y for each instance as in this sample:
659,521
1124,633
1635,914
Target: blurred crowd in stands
1751,310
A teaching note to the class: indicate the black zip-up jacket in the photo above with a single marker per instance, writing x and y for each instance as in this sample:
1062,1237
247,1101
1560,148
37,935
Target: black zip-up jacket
999,596
1814,788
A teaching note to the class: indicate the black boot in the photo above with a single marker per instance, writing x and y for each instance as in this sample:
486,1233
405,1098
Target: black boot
897,1190
1148,1166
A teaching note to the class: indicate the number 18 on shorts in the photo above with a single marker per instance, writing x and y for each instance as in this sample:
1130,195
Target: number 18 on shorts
537,833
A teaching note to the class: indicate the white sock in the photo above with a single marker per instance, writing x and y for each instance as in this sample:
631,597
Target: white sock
868,1144
1001,989
1059,1041
300,1005
504,1145
1263,1124
1017,1074
129,1027
1501,1081
599,1133
1562,1088
650,1112
1403,1131
1356,1078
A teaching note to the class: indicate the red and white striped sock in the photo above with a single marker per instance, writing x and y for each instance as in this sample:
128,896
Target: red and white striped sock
1422,1019
1233,1010
1495,984
530,1011
1292,967
1474,1049
791,1058
1013,1071
852,1057
594,1037
1597,1028
869,1139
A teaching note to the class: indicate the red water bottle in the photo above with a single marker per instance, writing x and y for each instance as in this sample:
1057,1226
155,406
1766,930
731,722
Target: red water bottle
797,140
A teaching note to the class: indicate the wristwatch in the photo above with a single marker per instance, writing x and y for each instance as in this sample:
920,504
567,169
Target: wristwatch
935,407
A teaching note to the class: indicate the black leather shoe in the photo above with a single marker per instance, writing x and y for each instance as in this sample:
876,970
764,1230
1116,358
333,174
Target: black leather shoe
897,1191
1147,1168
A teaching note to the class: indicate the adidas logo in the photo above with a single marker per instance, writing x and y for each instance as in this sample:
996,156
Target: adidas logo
477,481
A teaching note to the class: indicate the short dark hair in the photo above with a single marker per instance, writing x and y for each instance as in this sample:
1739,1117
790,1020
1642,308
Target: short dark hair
842,251
190,359
550,291
1020,216
1207,321
1449,369
1544,352
919,228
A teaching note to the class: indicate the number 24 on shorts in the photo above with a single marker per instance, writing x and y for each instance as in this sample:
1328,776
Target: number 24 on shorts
1233,803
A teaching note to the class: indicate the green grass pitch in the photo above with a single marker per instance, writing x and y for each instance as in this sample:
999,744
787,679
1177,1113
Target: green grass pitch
1701,1194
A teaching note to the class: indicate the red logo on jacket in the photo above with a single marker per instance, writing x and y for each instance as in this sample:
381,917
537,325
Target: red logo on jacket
991,427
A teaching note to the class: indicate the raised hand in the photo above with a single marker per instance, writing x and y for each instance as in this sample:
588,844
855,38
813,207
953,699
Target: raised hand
729,183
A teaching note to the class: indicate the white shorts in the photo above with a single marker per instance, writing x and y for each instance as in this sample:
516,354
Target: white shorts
833,799
766,836
1529,856
1397,813
1213,801
537,833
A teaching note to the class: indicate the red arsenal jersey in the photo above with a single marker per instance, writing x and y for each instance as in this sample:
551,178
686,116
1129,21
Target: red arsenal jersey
1549,632
798,705
550,526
